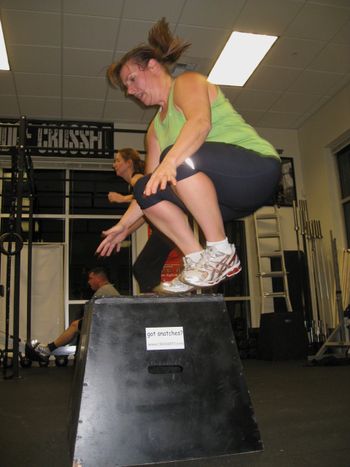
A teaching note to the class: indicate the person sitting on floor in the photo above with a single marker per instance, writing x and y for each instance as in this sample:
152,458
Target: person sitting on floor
99,283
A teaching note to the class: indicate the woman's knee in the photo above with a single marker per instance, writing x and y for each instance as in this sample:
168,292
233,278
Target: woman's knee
146,201
140,186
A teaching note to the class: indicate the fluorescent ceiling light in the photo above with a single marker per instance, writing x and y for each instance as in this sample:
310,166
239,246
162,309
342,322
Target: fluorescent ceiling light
4,63
241,55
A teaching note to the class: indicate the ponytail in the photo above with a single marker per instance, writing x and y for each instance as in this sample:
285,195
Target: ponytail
168,47
162,46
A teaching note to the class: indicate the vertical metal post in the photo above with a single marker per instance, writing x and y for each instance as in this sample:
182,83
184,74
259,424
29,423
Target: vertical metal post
19,199
7,311
29,269
31,189
338,293
302,290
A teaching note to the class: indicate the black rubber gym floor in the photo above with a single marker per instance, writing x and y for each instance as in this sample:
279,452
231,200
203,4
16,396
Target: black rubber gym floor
303,415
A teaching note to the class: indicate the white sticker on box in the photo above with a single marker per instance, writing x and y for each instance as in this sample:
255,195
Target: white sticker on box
171,338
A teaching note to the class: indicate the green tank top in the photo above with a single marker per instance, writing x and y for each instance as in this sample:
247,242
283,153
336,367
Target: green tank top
227,127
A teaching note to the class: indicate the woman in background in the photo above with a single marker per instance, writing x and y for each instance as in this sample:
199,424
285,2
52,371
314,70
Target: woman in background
148,266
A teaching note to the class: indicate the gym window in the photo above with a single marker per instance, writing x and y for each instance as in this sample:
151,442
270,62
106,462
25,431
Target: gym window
343,161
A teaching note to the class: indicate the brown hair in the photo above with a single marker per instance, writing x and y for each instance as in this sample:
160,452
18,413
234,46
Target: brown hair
133,155
162,46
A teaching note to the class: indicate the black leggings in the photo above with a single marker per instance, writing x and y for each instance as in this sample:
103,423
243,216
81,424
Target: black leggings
148,266
244,180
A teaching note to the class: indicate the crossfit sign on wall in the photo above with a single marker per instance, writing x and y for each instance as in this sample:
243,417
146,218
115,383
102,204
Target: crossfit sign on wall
61,138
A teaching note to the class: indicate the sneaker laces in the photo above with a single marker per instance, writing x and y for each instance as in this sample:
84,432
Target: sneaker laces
197,267
213,255
211,268
189,263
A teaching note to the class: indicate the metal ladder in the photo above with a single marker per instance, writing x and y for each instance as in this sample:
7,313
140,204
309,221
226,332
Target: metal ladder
269,246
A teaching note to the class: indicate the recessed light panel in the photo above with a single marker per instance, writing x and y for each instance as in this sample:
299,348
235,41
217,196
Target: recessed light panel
4,63
241,55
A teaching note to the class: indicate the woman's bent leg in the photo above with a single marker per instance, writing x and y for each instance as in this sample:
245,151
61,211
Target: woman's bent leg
199,195
173,222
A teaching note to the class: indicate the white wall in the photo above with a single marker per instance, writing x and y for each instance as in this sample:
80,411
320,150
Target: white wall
124,139
286,140
321,133
47,293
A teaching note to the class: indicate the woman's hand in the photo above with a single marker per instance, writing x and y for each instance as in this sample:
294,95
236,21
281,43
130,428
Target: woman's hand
165,173
114,197
113,240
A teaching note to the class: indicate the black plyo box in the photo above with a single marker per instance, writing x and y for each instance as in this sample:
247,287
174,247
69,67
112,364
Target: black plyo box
159,379
282,336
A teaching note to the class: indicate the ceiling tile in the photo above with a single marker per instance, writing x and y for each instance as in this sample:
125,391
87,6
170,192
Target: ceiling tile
127,41
115,94
250,99
35,59
31,28
319,22
6,83
37,5
339,85
315,82
311,110
333,58
40,107
86,62
108,8
153,10
88,32
267,17
343,35
206,42
75,108
332,3
202,65
218,14
231,92
316,105
272,77
75,41
84,87
279,120
292,52
9,106
252,116
295,102
38,84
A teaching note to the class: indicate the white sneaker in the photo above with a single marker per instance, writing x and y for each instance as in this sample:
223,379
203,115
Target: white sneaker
174,286
212,268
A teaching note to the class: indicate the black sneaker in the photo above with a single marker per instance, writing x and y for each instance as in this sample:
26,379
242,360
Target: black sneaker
37,351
